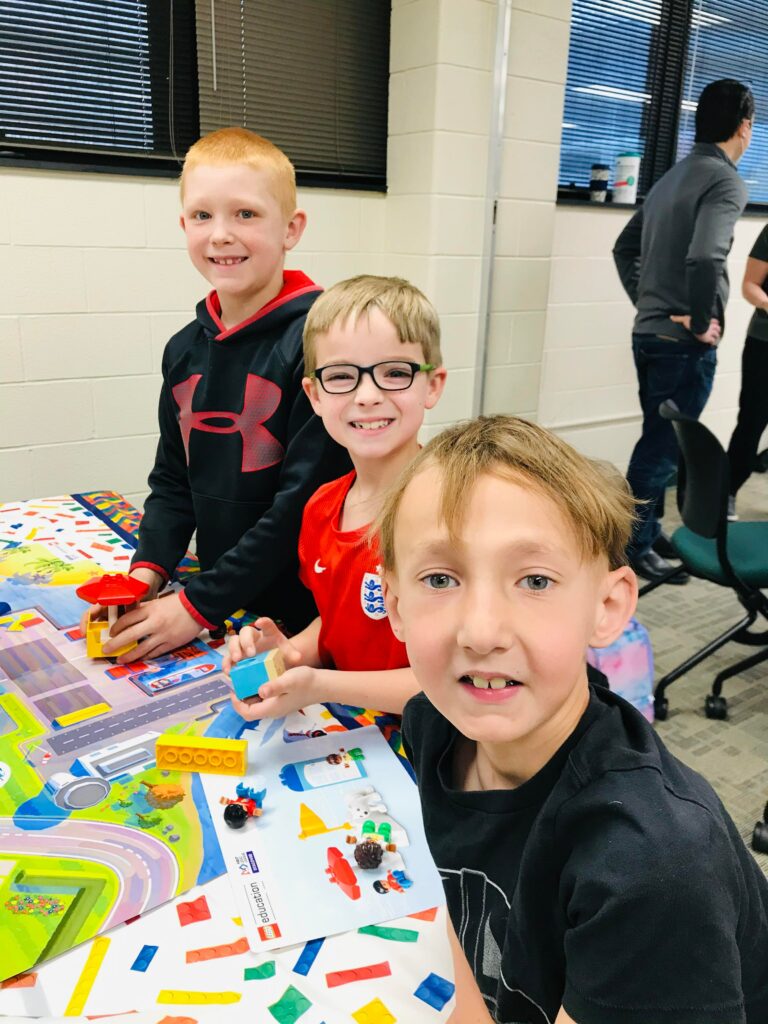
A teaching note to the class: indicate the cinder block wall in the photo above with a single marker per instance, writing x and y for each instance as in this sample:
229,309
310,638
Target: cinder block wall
96,278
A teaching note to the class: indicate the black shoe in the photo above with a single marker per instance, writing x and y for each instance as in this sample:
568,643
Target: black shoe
663,546
653,567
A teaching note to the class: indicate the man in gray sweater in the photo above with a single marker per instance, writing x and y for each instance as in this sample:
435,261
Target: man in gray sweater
671,260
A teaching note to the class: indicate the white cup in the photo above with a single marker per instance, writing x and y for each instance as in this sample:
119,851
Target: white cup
625,179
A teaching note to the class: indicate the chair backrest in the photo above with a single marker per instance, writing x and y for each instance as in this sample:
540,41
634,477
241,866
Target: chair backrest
703,477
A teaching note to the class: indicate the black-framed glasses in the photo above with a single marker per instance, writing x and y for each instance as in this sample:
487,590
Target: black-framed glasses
391,375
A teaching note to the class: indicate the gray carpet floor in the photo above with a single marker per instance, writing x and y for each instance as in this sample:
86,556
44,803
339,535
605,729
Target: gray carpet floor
731,754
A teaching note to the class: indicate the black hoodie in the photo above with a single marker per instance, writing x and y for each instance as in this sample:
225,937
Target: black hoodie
240,452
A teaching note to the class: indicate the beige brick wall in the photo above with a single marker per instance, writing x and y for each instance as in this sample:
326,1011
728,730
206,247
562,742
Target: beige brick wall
96,278
589,386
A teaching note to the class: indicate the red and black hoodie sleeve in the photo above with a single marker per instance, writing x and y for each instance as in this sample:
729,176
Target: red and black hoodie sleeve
169,518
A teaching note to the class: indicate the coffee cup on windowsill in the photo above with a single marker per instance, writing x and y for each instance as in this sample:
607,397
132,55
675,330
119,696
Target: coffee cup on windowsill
598,182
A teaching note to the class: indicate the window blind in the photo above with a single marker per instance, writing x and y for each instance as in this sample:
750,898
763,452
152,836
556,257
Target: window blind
97,76
312,76
729,39
607,93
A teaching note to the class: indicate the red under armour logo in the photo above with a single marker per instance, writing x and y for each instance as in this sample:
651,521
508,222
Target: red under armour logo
262,397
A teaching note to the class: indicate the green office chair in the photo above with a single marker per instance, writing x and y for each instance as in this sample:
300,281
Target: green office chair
733,555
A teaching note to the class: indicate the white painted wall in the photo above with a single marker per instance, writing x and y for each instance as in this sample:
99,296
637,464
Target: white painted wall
95,277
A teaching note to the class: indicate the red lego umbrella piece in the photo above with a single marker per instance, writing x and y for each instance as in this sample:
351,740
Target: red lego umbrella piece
113,588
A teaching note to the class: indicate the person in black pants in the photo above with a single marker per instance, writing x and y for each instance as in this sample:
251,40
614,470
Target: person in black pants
671,258
753,401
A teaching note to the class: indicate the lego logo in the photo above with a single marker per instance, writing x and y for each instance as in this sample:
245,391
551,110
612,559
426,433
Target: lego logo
268,931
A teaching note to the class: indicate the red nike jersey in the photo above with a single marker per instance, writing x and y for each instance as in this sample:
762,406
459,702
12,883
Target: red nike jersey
342,570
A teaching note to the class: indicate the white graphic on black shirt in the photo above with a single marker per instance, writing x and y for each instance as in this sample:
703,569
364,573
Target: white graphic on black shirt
474,902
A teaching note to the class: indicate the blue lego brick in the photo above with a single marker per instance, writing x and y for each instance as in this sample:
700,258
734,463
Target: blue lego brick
435,991
308,956
144,959
250,674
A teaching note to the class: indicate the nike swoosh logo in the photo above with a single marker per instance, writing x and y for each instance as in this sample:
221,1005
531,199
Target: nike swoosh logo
320,568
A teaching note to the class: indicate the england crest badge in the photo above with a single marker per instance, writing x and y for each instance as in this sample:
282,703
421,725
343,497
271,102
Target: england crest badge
372,596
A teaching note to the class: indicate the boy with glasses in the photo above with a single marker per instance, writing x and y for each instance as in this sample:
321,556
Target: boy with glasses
373,365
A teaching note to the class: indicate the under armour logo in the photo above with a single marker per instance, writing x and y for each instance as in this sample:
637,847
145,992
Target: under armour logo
262,397
320,568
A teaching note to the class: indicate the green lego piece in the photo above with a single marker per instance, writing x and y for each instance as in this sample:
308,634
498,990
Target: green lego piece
290,1006
368,827
356,754
261,972
395,934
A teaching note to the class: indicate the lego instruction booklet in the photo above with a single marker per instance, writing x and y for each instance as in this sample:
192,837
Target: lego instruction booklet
325,836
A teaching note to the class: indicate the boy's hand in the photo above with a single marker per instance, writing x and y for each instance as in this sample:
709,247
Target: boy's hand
263,635
98,611
296,688
157,626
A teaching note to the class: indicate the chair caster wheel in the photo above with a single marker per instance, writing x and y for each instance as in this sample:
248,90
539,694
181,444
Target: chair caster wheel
716,707
760,838
661,709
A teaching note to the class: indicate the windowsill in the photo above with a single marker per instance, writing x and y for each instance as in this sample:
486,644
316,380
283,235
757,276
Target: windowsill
570,197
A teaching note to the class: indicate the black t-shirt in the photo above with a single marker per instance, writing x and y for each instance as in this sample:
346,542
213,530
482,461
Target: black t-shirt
613,882
758,325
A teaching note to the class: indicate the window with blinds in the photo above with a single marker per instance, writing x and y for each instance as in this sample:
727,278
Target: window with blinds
86,81
635,72
729,39
312,76
607,94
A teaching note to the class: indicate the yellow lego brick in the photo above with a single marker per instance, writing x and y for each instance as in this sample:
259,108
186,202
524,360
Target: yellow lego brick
82,715
201,754
94,640
374,1012
178,996
85,982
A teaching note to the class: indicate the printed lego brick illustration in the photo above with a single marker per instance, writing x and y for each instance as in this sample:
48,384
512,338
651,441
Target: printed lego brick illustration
375,867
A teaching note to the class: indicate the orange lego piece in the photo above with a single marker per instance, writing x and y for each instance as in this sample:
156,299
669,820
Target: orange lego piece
177,1020
193,911
201,754
20,981
213,952
382,970
425,915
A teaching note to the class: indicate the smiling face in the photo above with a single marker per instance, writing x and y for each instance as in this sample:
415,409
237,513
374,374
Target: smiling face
369,422
237,235
497,621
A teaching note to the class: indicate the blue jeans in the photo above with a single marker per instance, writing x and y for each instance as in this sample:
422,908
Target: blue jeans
680,370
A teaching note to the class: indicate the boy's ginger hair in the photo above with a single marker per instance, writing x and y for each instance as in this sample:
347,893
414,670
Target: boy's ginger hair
408,310
593,496
241,146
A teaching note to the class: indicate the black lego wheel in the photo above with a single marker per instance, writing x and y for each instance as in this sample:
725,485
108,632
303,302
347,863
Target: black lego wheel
760,838
716,707
235,815
661,709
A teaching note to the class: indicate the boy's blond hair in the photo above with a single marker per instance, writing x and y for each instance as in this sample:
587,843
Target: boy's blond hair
241,146
408,310
594,499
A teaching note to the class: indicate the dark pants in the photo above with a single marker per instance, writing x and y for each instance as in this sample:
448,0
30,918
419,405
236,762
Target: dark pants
753,411
680,370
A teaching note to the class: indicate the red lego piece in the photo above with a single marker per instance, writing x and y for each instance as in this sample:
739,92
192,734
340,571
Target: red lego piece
193,911
112,588
340,872
382,970
425,915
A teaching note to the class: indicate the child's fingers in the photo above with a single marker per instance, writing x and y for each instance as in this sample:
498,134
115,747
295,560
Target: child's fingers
250,710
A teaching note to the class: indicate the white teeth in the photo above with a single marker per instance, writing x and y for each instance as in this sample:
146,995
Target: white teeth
498,683
481,684
375,425
227,262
